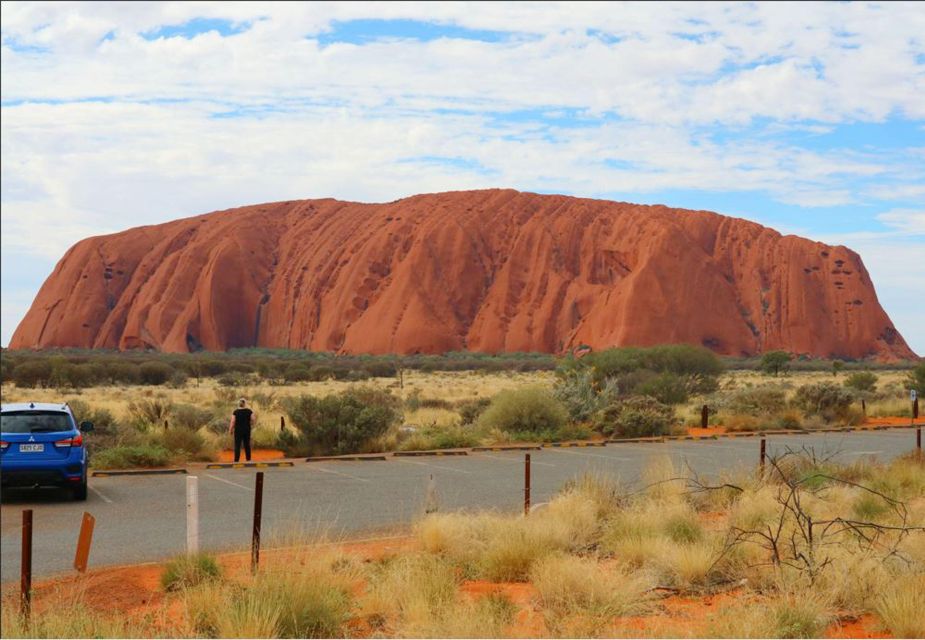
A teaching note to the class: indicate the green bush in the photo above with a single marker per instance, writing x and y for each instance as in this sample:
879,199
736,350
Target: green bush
864,381
32,373
189,416
667,388
184,443
127,457
470,410
698,363
154,372
752,401
825,399
190,571
916,378
581,396
342,423
146,413
635,417
526,410
297,373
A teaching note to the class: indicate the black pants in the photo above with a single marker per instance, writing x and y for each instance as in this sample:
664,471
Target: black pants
242,436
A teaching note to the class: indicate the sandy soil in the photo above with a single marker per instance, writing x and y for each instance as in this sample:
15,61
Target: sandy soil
256,455
135,591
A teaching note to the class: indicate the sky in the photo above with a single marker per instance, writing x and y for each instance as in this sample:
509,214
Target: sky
806,118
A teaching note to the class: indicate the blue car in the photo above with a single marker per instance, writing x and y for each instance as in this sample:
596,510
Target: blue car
41,446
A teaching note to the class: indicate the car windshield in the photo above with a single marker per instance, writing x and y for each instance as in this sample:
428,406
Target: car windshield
34,421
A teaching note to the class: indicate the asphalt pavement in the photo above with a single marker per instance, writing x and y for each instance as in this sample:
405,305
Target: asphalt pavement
143,518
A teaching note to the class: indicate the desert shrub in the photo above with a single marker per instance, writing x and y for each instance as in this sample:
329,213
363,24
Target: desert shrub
753,401
901,606
862,381
189,571
184,443
580,396
127,457
189,416
344,422
635,417
470,410
298,373
824,399
154,372
313,597
84,412
667,388
775,362
525,410
124,372
916,378
381,369
32,373
178,379
145,413
321,372
416,400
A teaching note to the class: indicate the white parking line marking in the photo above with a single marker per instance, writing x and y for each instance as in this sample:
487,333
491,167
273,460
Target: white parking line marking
594,455
234,484
338,473
516,460
97,492
435,466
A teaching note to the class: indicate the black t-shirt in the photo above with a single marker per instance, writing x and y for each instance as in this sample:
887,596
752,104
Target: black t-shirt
242,418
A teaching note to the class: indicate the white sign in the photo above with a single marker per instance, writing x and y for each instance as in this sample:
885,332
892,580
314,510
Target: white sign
912,394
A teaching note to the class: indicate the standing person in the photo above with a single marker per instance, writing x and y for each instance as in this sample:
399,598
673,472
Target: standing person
240,426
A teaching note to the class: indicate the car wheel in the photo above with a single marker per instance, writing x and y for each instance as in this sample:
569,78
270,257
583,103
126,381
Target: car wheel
80,491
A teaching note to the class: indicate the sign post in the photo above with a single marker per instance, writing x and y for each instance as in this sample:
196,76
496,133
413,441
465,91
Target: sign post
83,542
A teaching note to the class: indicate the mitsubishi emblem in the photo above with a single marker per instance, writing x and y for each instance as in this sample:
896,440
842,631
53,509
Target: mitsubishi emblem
31,438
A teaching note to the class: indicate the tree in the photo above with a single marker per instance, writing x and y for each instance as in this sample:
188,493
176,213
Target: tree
774,362
837,366
916,379
862,381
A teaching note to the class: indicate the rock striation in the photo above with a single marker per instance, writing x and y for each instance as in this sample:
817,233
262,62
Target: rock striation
489,271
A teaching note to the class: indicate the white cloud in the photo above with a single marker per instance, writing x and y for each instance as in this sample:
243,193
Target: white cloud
908,221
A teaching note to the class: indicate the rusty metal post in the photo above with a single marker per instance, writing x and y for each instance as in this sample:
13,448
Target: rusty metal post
915,409
258,510
763,455
704,416
282,423
918,440
527,484
83,542
25,582
864,406
166,425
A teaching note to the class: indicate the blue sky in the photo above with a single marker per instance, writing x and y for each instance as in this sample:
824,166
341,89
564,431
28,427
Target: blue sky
811,121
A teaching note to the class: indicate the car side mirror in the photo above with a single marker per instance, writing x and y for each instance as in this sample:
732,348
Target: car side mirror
86,426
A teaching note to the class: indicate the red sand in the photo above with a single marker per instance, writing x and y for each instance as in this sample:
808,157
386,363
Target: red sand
135,591
493,270
256,455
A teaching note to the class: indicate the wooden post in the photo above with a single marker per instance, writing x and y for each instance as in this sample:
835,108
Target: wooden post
918,440
282,423
704,416
527,484
763,454
258,510
915,409
83,542
864,406
192,515
25,582
166,424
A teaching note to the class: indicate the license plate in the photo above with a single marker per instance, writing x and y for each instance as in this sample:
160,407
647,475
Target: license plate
33,448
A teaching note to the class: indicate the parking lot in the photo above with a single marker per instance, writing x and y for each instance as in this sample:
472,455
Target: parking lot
143,518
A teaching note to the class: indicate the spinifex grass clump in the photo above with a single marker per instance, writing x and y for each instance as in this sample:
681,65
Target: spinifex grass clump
190,571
